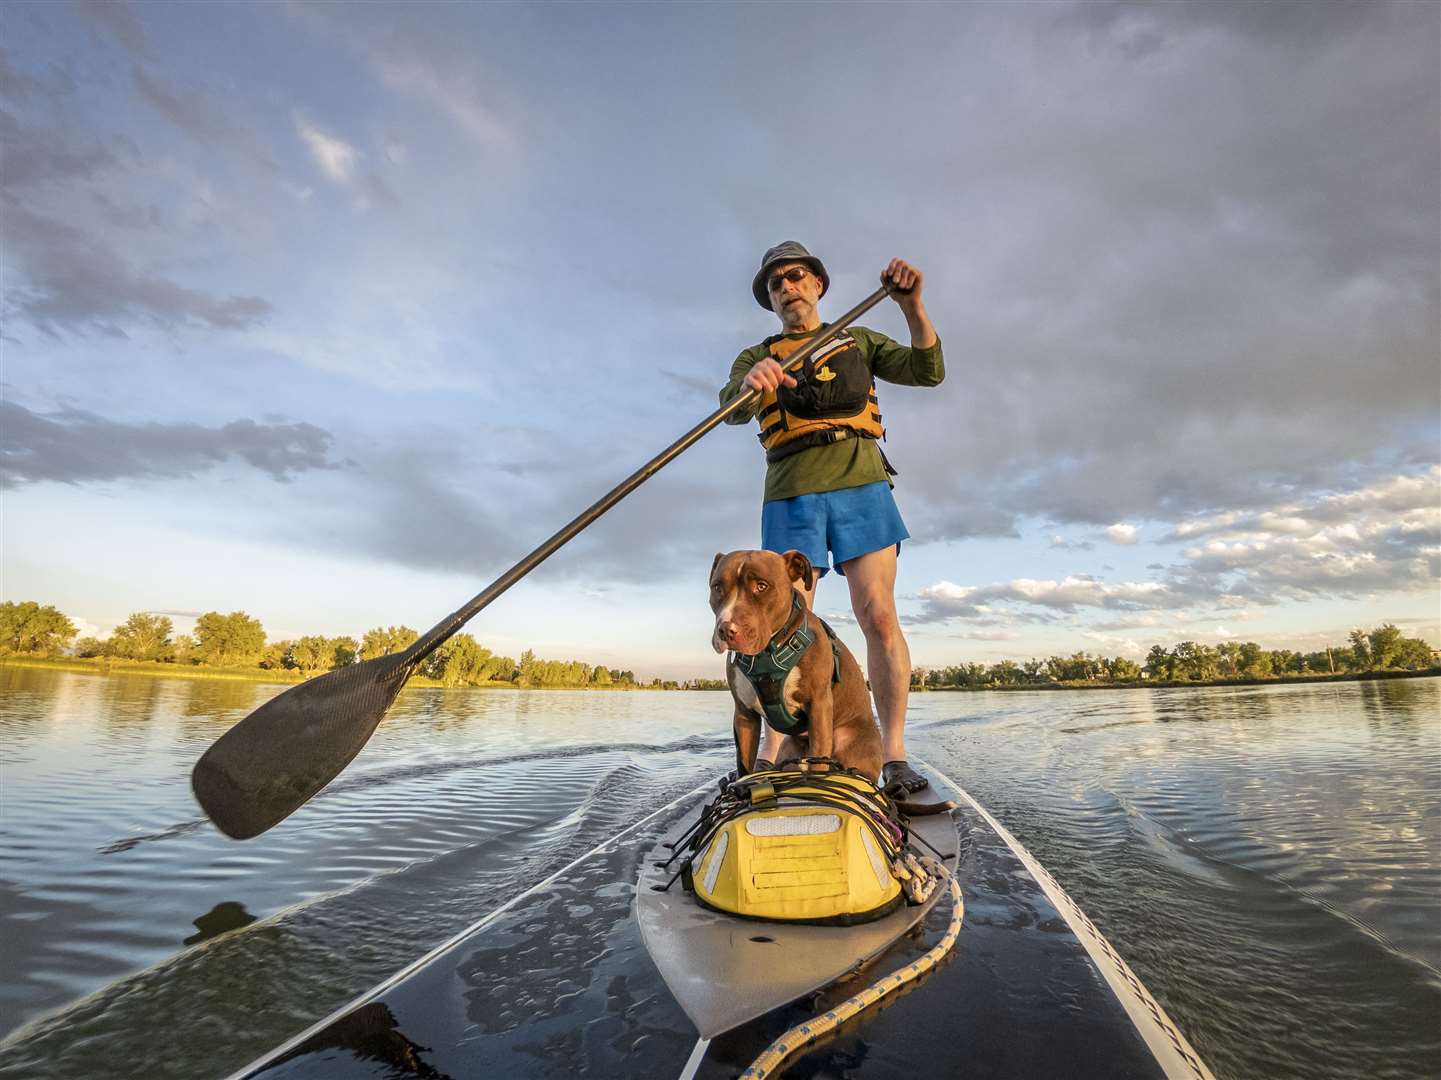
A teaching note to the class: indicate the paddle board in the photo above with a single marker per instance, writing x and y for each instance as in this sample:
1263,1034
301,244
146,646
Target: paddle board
559,982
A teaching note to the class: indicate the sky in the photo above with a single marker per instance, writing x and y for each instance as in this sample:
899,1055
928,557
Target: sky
331,313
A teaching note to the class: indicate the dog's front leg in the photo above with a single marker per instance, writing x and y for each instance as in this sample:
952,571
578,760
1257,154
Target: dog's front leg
821,735
748,741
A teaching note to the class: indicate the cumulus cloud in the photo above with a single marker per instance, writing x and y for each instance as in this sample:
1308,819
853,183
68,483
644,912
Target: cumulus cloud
74,447
1380,537
946,600
1121,533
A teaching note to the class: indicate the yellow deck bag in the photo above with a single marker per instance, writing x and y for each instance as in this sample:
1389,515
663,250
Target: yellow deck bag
806,849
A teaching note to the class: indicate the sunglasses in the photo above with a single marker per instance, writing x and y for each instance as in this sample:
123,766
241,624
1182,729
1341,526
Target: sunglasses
795,275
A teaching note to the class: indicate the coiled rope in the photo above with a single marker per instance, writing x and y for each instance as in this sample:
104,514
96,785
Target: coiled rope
805,1035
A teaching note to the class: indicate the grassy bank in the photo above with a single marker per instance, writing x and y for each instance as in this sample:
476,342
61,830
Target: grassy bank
109,666
103,666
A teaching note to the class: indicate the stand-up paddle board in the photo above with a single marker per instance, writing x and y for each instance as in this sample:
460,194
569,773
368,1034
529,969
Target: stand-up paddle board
595,972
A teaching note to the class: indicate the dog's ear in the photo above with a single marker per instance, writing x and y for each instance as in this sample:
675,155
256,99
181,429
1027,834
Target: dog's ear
800,569
719,555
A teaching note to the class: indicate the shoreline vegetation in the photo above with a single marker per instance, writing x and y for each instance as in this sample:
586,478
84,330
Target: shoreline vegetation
234,647
153,669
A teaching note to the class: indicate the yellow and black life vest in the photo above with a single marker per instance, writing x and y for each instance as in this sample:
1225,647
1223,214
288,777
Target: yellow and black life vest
834,398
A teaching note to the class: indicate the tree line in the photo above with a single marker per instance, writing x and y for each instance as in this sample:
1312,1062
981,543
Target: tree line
237,640
1381,649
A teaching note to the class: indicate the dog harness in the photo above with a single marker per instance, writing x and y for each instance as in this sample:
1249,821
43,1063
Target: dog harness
767,670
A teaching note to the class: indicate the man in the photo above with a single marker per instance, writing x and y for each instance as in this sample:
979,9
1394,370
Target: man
828,487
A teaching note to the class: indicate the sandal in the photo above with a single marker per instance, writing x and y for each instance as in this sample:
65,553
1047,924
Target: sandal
900,774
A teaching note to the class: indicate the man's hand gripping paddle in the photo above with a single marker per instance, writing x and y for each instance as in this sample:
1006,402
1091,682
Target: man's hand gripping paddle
271,763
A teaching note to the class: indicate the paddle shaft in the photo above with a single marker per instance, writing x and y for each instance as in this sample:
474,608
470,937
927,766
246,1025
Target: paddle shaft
442,631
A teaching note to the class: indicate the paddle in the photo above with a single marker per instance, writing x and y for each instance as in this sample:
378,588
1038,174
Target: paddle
270,764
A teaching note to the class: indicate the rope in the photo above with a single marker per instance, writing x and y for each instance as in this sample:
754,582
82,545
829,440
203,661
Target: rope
804,1035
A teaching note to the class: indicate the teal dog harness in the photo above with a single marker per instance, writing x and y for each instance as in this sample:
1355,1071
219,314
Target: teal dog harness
767,670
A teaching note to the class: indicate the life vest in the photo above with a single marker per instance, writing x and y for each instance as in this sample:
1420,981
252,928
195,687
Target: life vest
834,398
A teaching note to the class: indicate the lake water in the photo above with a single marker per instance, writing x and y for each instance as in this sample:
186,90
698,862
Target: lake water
1268,859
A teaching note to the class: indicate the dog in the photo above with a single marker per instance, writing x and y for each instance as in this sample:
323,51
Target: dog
754,599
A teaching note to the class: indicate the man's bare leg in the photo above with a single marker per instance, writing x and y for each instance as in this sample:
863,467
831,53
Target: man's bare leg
872,581
770,738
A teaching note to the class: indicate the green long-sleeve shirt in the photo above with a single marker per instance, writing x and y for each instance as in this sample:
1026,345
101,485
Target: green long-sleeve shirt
855,461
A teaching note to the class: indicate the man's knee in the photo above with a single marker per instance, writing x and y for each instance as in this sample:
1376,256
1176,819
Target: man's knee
878,619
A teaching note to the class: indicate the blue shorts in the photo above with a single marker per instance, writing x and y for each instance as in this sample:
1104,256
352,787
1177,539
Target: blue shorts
847,523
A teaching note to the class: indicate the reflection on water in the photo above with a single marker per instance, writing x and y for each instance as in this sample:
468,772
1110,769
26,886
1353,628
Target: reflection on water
1267,858
222,918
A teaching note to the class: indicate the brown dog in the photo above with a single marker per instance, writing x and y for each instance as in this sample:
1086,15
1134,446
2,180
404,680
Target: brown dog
752,595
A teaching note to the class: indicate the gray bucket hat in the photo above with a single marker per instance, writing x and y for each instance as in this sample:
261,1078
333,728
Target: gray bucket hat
785,252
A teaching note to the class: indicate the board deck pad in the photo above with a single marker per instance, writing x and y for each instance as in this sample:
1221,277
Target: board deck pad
560,984
725,971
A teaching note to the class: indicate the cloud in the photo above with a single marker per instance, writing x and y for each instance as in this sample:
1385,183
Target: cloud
334,155
1060,542
71,281
1122,645
1121,534
945,600
193,112
421,64
74,447
36,157
1385,536
119,20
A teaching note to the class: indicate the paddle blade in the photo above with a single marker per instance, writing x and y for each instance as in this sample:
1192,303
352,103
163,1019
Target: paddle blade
270,764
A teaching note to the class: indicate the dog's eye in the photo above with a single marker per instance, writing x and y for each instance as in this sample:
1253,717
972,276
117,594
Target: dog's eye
761,586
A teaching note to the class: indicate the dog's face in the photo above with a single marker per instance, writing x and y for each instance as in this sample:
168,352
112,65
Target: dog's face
750,593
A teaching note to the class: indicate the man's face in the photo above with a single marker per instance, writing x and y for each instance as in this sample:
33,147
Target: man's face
794,292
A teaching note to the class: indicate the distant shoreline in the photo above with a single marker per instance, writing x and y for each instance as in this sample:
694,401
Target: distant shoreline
101,666
288,678
1181,684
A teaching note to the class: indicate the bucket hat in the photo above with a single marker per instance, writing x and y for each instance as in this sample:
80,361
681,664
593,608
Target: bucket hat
785,252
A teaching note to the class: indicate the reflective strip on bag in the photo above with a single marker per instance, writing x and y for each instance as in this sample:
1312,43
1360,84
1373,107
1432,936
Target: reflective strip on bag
793,824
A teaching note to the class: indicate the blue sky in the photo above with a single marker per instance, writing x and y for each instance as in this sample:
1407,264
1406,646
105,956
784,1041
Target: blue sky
331,313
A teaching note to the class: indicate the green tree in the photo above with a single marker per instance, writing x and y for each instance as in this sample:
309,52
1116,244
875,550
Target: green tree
1383,644
1122,670
276,655
183,650
26,627
143,636
1413,654
312,654
1360,650
600,676
462,661
384,640
90,646
1159,663
1253,662
526,670
1228,659
344,651
224,640
1195,661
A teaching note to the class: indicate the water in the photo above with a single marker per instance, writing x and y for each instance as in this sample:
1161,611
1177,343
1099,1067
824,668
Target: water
1268,859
